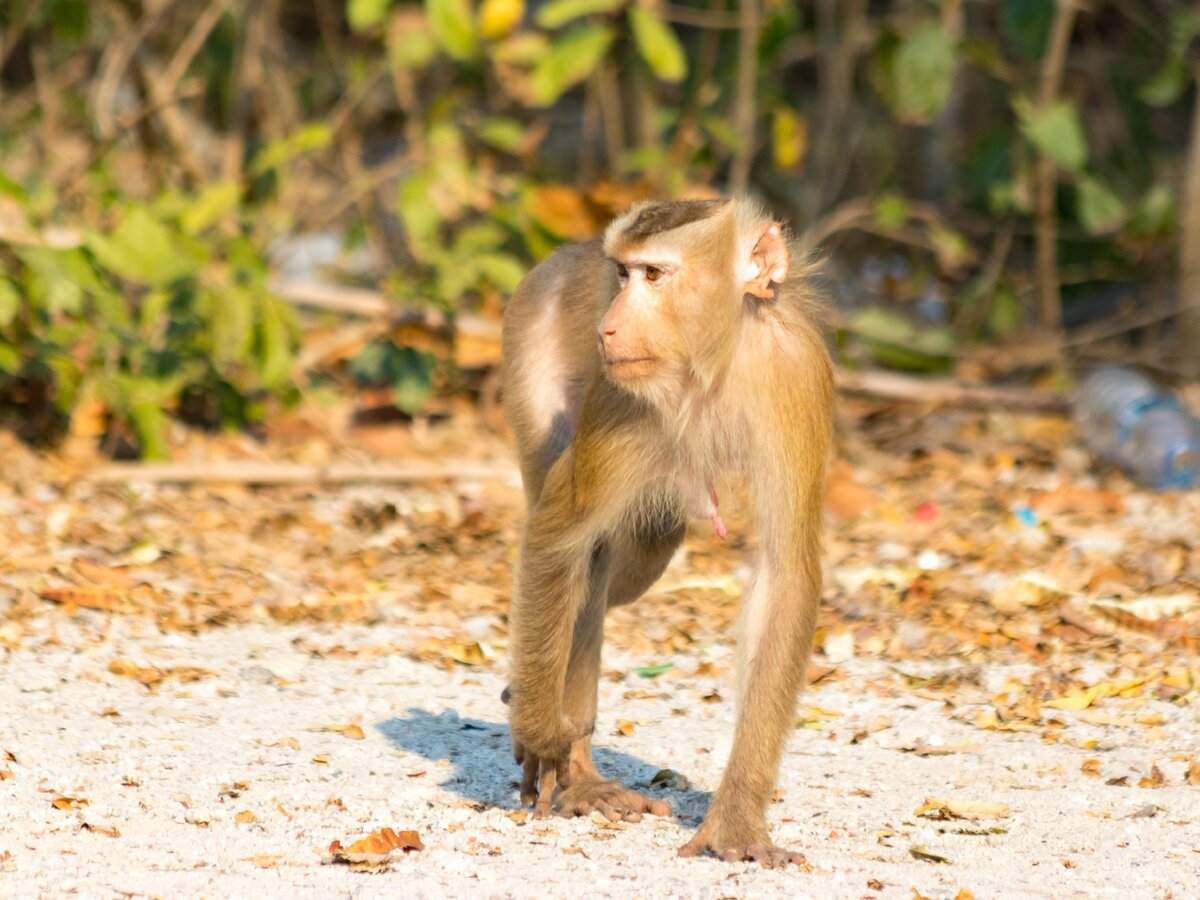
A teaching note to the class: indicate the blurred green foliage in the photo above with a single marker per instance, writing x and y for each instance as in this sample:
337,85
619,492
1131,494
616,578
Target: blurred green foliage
152,155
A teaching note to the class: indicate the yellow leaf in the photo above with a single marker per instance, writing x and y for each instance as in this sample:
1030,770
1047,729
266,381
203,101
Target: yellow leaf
1075,699
625,727
962,809
245,817
498,17
789,138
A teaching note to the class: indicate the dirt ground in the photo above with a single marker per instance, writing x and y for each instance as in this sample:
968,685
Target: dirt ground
207,684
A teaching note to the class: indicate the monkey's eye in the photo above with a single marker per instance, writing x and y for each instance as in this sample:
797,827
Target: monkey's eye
622,271
653,273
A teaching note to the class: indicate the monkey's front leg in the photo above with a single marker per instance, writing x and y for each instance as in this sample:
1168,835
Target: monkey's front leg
553,583
773,657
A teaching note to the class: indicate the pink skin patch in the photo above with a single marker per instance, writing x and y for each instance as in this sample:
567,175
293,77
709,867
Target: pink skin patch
701,503
715,517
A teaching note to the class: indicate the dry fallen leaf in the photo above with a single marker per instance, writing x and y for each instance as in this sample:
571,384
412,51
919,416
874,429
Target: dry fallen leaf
1154,780
374,851
352,731
64,802
625,727
101,828
918,852
1090,767
245,817
962,809
104,598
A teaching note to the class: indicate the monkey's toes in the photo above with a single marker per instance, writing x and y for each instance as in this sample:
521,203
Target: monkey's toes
769,856
611,799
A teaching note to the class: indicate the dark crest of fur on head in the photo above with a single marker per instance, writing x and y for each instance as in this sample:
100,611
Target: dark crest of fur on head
660,217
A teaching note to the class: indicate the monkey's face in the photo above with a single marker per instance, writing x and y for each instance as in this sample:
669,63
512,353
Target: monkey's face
640,338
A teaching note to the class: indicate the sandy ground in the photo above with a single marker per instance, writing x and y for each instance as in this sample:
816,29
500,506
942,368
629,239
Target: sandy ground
225,786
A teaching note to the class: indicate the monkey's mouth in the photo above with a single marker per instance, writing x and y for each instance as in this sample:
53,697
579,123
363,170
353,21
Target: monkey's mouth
629,366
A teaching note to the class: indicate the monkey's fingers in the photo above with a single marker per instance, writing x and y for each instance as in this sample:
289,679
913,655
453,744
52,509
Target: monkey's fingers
696,845
529,781
548,777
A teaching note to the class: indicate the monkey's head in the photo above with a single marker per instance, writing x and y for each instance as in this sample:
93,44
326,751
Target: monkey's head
685,270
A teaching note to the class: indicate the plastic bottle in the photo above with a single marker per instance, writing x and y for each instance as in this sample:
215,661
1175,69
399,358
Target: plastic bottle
1130,420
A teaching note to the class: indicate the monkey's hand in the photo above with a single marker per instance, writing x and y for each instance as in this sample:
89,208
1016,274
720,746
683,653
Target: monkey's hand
543,753
734,841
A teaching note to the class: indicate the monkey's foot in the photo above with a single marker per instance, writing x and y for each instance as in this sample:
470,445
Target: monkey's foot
763,852
611,799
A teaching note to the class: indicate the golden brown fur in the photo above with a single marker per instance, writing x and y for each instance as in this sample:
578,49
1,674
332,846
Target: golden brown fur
619,398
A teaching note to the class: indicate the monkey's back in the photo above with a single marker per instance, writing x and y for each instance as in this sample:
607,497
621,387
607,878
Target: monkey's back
550,353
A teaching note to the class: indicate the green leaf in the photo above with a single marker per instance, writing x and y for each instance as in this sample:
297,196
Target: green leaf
364,15
560,12
1155,214
275,349
1055,131
413,383
952,249
896,342
453,26
1100,211
658,44
571,59
305,139
1167,86
214,202
10,302
143,250
891,211
503,134
420,215
412,46
10,359
923,73
653,671
502,270
150,424
1005,314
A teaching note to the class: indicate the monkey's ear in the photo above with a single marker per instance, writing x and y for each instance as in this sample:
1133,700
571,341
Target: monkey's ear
768,262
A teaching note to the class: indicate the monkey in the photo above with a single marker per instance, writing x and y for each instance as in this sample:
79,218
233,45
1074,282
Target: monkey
637,368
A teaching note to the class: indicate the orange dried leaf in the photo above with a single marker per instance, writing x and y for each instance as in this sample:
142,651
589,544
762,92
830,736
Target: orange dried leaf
1193,773
1154,780
245,817
64,802
105,598
625,727
352,731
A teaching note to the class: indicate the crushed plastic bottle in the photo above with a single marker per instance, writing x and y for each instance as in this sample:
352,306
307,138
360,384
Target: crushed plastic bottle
1128,419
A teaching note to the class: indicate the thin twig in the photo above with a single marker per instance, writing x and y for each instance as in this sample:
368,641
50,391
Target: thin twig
894,386
1046,231
1189,240
745,107
708,18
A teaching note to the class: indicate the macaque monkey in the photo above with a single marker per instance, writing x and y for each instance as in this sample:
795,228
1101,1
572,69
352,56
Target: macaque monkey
637,368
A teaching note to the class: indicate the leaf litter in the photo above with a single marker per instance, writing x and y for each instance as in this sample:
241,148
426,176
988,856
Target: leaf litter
966,542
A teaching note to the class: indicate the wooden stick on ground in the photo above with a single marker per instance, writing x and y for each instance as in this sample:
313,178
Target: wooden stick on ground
893,386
